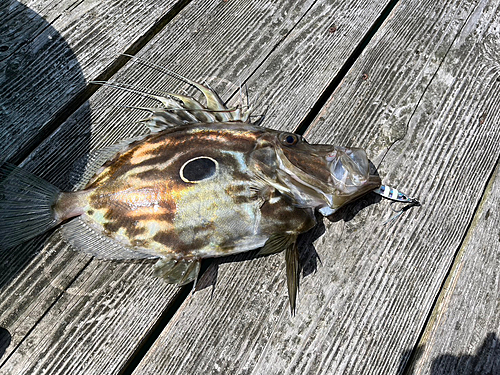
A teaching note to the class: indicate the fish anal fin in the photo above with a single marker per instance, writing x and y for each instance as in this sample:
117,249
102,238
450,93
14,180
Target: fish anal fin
177,271
83,237
278,242
292,274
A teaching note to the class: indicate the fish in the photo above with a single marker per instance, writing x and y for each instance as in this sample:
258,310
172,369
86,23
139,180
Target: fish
205,182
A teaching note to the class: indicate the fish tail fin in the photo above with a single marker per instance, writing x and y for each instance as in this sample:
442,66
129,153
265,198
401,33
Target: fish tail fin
26,205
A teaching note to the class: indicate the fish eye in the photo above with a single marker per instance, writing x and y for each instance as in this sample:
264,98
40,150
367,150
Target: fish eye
198,169
289,139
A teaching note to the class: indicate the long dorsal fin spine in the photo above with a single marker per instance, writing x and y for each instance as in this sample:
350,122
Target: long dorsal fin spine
213,100
187,109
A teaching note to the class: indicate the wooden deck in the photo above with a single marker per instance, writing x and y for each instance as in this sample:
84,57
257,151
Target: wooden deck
415,82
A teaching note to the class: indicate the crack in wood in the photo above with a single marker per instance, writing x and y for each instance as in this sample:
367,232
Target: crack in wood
320,103
49,307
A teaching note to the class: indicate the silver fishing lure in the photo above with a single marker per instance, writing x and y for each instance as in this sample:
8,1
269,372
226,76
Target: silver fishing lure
396,196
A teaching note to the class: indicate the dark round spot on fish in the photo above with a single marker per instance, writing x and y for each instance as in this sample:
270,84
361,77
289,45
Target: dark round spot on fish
198,169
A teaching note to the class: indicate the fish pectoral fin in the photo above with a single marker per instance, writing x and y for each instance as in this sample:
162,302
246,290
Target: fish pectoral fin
292,274
177,271
264,194
277,243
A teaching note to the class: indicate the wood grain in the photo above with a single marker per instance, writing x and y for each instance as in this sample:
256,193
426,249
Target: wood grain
463,336
48,51
94,304
195,44
429,79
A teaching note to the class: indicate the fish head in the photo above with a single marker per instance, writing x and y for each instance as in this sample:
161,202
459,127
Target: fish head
323,177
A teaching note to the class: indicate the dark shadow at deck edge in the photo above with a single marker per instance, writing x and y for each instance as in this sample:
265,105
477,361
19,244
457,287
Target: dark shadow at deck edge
5,339
484,361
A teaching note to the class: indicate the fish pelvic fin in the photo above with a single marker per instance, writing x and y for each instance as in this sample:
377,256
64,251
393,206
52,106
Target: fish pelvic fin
177,271
276,243
288,242
26,205
292,274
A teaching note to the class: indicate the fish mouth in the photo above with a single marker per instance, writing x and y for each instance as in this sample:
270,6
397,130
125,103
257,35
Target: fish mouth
349,167
327,177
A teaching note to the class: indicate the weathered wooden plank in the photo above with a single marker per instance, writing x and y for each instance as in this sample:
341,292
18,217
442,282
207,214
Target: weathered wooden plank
94,303
218,22
48,49
430,79
463,334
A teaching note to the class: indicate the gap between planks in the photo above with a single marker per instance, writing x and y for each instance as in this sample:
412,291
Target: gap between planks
322,100
151,336
433,315
451,276
77,275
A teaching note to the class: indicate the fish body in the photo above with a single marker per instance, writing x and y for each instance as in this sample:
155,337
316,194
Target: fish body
192,192
205,183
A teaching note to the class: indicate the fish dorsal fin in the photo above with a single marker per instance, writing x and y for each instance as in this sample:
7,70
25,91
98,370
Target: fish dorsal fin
277,243
177,271
87,166
180,109
160,119
83,237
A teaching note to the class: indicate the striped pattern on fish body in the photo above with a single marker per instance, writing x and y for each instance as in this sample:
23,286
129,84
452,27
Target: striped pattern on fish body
147,197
